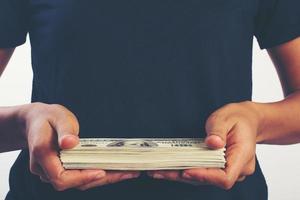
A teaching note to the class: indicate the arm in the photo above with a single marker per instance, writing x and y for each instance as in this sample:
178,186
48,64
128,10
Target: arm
8,116
239,126
11,137
281,120
44,129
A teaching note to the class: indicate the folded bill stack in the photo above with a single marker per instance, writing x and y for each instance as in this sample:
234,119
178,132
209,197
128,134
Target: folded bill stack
142,154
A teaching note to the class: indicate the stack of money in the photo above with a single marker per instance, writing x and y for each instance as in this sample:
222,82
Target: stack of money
142,154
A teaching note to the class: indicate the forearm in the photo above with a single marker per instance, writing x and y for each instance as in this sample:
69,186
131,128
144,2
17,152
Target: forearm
280,121
5,55
11,129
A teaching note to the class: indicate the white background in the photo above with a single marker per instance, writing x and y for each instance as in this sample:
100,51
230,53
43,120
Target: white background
280,164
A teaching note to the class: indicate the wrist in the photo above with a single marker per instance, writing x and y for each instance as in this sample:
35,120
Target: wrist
28,113
259,116
11,129
20,121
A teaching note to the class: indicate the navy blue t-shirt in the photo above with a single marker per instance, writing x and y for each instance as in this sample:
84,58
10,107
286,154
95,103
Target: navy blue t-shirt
141,68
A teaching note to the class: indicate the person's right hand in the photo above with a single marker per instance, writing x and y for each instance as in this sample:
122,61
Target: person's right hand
49,128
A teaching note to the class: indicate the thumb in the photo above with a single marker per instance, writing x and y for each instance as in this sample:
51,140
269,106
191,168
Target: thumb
67,140
67,129
216,129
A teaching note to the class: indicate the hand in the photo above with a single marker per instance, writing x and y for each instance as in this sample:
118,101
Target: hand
49,128
236,126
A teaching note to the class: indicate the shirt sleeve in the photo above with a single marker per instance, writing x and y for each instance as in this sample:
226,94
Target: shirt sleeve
13,22
277,22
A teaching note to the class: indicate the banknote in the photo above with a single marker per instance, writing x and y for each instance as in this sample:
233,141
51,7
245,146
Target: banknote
142,154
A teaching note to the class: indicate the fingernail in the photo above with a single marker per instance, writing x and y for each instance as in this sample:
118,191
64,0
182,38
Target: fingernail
157,176
215,142
69,137
99,175
219,139
186,175
128,176
214,137
68,141
136,175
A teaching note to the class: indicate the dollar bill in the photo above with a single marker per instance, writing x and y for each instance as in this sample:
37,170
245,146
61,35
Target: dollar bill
142,154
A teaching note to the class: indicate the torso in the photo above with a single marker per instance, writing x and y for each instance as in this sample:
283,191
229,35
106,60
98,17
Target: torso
143,69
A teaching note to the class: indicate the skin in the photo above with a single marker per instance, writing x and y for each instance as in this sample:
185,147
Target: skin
239,126
44,129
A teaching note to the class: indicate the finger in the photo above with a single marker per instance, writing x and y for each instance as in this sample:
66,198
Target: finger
66,126
35,168
39,146
63,179
240,154
219,177
44,153
44,179
249,168
38,171
110,178
241,178
171,175
206,175
217,128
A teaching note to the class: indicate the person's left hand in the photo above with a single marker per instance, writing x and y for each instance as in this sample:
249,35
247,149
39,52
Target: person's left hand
234,126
